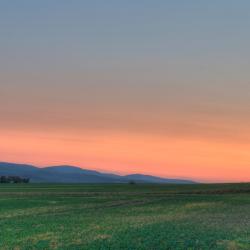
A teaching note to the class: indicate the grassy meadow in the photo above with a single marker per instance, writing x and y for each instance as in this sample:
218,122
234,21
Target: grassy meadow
124,216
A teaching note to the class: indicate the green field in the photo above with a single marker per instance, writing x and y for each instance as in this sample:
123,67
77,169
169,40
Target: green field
123,216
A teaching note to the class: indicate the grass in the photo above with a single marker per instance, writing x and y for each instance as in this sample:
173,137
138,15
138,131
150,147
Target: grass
123,216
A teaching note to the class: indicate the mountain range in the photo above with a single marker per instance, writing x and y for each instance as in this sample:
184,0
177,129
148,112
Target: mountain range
72,174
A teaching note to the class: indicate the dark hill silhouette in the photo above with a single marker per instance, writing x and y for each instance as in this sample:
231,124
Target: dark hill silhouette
72,174
154,179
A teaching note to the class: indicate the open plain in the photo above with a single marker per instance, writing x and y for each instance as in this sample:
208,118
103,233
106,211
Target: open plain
124,216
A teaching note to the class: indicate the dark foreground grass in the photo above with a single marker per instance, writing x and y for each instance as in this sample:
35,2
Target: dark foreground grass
42,216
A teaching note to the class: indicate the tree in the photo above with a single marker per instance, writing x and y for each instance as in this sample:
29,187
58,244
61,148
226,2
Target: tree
3,179
13,179
131,182
26,180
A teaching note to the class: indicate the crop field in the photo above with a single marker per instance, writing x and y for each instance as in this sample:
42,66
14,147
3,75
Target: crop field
124,216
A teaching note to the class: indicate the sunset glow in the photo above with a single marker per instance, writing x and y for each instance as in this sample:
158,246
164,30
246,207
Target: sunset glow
126,88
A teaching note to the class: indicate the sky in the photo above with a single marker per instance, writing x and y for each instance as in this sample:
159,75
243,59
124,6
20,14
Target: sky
155,87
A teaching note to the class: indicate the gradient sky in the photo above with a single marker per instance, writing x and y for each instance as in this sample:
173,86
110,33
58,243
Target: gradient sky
156,87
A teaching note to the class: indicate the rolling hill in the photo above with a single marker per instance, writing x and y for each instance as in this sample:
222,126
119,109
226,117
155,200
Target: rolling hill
72,174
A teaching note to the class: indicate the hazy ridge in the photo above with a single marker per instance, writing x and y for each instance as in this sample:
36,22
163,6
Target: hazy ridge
73,174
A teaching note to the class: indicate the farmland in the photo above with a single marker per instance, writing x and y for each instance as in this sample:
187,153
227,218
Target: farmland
124,216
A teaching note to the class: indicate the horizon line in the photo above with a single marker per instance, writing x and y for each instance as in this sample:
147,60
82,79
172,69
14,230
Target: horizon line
197,181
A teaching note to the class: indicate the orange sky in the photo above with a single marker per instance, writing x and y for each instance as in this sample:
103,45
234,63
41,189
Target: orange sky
157,88
106,121
189,157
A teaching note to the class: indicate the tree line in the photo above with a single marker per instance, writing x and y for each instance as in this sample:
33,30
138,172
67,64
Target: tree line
13,179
